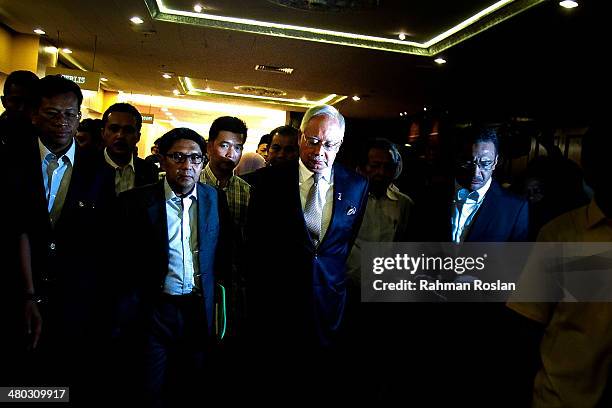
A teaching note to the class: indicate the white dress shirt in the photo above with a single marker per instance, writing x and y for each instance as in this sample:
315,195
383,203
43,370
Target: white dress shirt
183,261
326,193
57,187
465,208
125,177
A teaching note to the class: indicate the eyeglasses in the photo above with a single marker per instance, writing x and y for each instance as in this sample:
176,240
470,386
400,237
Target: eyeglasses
328,146
55,115
484,164
194,158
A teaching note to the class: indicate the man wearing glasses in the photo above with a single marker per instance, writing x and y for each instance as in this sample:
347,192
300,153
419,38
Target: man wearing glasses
305,215
176,223
64,198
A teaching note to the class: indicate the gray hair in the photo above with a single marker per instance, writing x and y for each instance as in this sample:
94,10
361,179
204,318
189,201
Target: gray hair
326,110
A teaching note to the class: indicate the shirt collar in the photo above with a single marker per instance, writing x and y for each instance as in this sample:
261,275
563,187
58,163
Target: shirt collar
305,174
210,177
594,215
44,151
481,191
115,165
170,195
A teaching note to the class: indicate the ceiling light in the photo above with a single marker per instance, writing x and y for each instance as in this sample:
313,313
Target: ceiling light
136,20
176,92
440,61
425,108
401,113
402,36
408,145
39,31
51,50
356,98
197,8
568,4
405,113
103,79
167,76
164,109
66,50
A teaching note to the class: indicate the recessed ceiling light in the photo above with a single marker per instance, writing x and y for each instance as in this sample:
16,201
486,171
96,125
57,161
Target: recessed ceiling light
405,113
402,36
425,108
356,98
66,50
103,79
136,20
164,109
39,31
408,145
401,113
51,50
167,76
176,92
568,4
197,8
440,61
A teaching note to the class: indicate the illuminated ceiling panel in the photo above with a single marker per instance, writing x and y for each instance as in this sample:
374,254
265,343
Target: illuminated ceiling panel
445,38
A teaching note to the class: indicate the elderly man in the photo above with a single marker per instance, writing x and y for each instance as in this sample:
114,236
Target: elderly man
297,293
386,217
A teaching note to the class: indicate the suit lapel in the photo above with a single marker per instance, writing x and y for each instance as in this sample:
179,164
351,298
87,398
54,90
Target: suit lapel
485,214
203,216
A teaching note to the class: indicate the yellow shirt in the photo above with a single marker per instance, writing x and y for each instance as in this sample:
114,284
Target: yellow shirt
576,349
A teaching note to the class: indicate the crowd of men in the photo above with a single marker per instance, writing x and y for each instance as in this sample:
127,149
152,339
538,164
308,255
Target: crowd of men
171,279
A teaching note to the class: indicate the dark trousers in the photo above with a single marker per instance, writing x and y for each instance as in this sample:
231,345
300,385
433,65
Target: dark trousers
176,352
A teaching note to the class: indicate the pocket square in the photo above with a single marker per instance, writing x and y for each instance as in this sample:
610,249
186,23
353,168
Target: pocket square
351,211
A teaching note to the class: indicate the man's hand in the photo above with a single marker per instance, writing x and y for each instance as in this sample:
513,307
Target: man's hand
33,323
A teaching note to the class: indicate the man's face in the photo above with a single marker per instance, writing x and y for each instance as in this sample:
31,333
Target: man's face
319,143
380,170
16,102
57,120
470,175
262,150
225,152
182,176
282,149
120,134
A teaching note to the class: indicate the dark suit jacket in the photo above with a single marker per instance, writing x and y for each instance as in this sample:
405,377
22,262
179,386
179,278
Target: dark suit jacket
297,291
143,219
66,258
502,217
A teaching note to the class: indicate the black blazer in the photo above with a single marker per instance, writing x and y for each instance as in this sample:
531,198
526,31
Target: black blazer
502,217
67,259
297,291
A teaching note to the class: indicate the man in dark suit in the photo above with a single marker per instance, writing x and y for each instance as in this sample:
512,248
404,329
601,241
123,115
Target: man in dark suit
299,297
482,336
121,124
64,198
175,222
476,208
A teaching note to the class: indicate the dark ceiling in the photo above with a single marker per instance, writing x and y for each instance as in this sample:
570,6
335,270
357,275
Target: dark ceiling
543,61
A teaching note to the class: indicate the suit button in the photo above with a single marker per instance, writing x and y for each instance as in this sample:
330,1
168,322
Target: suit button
52,246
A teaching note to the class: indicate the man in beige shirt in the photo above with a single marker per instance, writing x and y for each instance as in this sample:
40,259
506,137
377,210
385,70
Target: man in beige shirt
576,348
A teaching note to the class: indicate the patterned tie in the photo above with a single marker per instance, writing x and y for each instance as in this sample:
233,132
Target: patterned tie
313,210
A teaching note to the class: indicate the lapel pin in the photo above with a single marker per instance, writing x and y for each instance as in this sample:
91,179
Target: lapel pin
351,211
339,196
